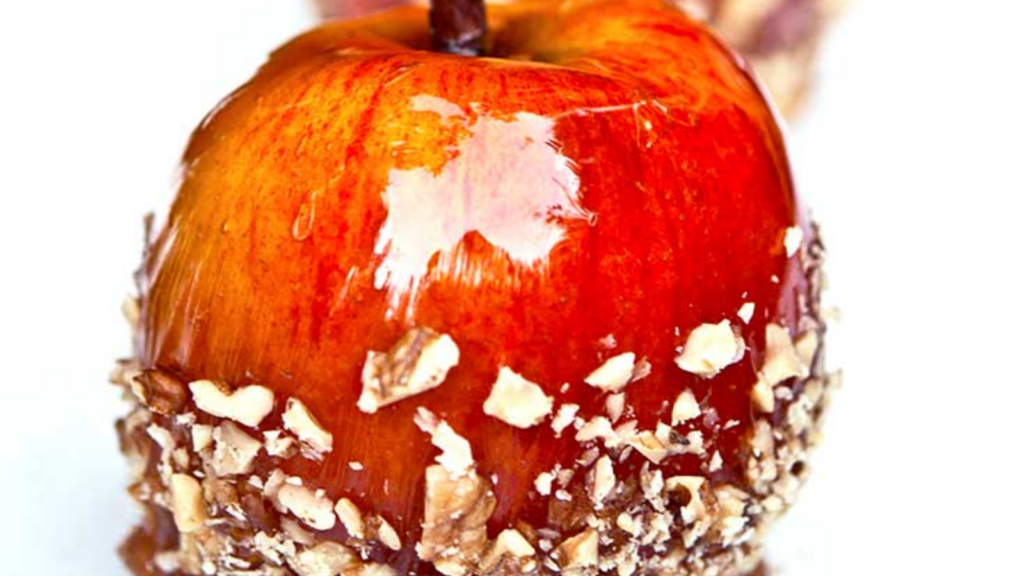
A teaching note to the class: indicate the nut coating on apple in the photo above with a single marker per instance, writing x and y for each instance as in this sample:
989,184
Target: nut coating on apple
552,309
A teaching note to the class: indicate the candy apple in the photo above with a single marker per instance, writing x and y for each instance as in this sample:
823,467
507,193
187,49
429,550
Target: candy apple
550,308
779,38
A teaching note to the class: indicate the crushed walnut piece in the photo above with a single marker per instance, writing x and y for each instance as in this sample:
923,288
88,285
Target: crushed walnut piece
159,391
564,417
510,544
325,559
602,481
746,312
456,454
187,503
615,405
300,421
517,401
351,518
234,451
418,362
312,507
580,551
685,408
710,348
781,360
455,519
387,534
248,405
614,374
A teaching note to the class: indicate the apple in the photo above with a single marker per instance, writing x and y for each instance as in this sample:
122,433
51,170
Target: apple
780,38
552,308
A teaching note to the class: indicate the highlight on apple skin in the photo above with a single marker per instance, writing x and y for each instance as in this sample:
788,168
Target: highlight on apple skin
552,310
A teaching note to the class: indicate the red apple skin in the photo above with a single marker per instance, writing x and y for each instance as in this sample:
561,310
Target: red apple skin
609,169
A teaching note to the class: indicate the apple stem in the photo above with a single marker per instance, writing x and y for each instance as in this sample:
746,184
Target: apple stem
458,26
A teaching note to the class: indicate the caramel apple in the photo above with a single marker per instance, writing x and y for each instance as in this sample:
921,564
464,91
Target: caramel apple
548,308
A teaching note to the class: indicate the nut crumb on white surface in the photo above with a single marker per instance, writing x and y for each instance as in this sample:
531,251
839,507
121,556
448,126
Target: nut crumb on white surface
710,348
300,421
248,405
418,362
517,401
614,374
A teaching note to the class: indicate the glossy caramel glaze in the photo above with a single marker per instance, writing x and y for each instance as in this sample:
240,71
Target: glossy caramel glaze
609,170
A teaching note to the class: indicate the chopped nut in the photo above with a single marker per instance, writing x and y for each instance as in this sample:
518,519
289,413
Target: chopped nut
234,450
455,520
517,401
694,508
807,348
746,312
627,523
603,480
580,551
794,238
248,405
418,362
716,462
187,503
159,391
510,543
615,405
298,419
614,374
710,348
543,483
351,518
685,408
456,453
564,417
596,427
514,542
781,360
278,444
641,370
202,438
762,396
324,559
314,509
387,535
648,444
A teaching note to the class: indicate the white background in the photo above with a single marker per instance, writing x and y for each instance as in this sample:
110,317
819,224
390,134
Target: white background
911,155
